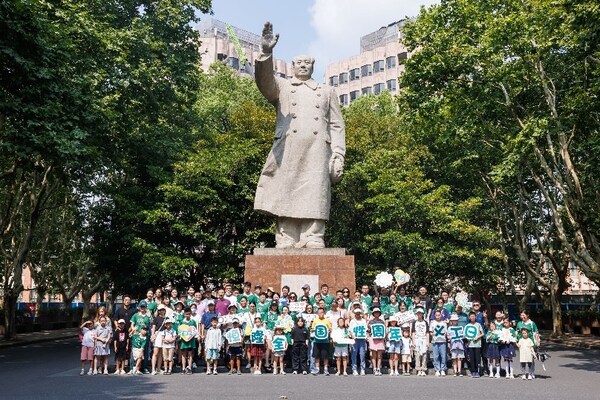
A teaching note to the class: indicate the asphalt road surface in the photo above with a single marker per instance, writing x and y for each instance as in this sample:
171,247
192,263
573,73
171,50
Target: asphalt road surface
51,371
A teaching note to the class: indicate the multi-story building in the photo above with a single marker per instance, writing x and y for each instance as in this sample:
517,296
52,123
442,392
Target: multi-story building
375,69
217,45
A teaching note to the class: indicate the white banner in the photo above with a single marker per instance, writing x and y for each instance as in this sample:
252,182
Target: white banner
297,306
405,317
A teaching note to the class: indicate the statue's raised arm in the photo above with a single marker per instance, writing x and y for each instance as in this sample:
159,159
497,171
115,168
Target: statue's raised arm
268,39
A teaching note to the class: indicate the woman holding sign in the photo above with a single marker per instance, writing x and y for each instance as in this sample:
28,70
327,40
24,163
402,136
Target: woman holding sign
376,331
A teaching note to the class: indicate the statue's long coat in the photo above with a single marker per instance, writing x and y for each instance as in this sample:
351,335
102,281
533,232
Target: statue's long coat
295,180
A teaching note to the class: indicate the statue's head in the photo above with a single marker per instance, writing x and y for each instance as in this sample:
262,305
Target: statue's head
303,67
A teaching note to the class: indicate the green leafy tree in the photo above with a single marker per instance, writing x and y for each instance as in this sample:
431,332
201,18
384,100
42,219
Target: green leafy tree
505,94
96,96
205,223
390,215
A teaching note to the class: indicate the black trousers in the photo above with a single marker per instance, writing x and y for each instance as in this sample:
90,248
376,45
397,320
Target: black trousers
474,359
299,357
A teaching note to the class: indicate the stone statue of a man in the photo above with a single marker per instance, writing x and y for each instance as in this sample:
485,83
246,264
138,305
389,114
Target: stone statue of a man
307,154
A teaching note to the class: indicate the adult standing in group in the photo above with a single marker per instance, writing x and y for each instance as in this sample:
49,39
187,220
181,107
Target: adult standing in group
222,304
307,154
426,302
365,297
125,312
247,293
531,327
232,298
150,302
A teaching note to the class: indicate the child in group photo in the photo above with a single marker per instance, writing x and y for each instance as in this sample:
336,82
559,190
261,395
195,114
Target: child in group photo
420,337
394,345
506,340
213,341
169,341
102,338
121,347
492,350
300,342
138,343
376,331
235,349
87,347
340,352
456,345
257,344
526,354
407,349
279,346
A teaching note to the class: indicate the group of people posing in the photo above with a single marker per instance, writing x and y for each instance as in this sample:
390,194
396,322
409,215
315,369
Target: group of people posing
303,334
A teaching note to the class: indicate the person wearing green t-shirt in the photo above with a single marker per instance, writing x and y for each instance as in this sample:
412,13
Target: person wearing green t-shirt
392,308
141,319
243,306
531,327
365,297
384,297
326,296
138,343
404,298
150,303
448,305
262,306
188,343
272,316
247,293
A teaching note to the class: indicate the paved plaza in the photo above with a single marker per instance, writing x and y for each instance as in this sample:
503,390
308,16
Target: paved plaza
50,370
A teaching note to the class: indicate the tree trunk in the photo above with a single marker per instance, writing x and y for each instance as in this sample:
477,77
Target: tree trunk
10,315
86,297
41,294
557,326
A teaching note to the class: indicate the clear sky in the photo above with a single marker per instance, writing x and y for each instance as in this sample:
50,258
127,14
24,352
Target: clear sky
329,30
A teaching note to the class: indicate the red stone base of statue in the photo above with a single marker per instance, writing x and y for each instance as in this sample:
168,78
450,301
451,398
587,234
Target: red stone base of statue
275,268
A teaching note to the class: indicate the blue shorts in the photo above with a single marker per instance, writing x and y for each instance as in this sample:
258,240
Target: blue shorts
395,348
212,354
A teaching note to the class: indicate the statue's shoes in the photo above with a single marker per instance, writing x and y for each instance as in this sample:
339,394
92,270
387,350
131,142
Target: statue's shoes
285,244
315,244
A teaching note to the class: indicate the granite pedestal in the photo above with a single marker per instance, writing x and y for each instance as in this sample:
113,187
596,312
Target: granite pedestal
275,268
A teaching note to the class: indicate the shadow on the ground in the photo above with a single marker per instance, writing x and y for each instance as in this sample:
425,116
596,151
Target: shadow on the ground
586,359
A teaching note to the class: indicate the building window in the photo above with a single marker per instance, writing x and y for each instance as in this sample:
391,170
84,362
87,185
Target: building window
221,56
343,78
366,70
378,66
354,74
390,62
391,85
344,99
354,95
333,80
378,88
366,91
402,57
